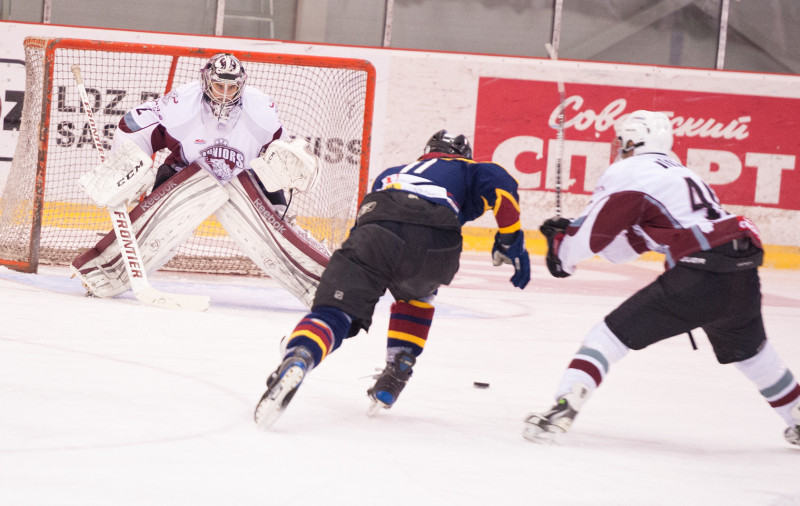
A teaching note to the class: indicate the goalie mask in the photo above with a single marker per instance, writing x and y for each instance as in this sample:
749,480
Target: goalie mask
223,80
644,132
442,142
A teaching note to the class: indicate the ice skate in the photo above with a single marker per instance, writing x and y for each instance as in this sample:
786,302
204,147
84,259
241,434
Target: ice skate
390,382
84,281
792,433
281,387
546,427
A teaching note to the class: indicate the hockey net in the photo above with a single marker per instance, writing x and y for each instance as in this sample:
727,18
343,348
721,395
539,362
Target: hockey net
44,215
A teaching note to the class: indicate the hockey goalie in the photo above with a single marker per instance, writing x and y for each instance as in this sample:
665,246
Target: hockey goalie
211,128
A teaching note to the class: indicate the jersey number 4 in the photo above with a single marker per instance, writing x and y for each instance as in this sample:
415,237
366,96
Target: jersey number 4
703,198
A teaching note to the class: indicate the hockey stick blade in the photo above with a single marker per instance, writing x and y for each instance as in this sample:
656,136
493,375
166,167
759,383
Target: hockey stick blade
153,297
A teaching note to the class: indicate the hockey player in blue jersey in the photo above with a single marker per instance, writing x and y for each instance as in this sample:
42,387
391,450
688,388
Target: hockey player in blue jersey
407,239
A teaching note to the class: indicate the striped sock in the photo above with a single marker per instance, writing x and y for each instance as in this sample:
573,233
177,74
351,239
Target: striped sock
774,380
409,325
321,331
592,361
784,391
589,362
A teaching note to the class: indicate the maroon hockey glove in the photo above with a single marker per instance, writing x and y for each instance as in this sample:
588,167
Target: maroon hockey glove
554,230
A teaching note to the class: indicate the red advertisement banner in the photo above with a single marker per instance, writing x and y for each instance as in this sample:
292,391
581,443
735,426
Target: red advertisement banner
745,147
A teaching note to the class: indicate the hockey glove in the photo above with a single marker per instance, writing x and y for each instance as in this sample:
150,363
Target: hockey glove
510,249
554,230
289,165
122,177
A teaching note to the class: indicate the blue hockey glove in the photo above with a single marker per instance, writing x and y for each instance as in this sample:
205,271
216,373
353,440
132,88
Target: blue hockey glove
554,230
510,249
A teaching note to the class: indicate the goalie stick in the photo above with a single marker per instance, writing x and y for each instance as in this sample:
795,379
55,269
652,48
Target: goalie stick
129,248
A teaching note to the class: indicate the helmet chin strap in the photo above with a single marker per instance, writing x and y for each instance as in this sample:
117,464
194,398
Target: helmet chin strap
631,147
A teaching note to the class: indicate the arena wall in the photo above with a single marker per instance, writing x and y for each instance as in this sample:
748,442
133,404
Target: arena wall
738,130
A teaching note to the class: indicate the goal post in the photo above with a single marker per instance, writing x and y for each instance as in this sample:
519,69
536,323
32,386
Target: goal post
46,219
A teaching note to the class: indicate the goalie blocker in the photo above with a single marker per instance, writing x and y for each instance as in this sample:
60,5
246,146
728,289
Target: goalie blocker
169,215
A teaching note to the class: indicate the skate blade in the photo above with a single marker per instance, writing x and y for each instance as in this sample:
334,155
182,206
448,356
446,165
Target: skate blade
542,437
274,401
550,434
792,436
375,407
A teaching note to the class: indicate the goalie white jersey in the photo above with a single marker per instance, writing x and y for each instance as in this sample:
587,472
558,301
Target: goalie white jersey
211,151
650,202
183,122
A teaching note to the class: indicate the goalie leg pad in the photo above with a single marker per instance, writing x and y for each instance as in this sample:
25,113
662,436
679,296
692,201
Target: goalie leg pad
161,222
281,249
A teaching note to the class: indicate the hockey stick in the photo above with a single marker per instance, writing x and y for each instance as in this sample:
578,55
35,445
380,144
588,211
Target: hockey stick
560,137
129,247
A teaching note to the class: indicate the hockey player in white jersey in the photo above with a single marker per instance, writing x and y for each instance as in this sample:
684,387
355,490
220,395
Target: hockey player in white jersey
229,156
649,201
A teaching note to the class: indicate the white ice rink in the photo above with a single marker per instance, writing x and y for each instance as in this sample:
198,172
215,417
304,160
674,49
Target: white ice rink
109,402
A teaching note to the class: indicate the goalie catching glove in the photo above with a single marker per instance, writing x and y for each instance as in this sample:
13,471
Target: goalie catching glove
510,249
122,177
288,165
554,230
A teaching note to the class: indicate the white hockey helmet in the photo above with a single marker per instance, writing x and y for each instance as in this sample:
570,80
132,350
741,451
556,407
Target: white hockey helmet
223,79
646,131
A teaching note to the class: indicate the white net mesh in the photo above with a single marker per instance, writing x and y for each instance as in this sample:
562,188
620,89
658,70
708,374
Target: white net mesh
325,100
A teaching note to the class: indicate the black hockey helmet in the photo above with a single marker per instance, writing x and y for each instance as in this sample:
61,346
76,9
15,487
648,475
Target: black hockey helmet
442,142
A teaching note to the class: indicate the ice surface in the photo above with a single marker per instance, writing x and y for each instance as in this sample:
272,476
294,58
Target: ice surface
109,402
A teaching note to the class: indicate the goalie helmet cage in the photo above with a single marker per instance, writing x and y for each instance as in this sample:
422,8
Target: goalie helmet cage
45,218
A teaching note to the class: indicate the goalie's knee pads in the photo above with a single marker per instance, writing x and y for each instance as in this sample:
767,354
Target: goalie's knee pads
281,249
161,222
